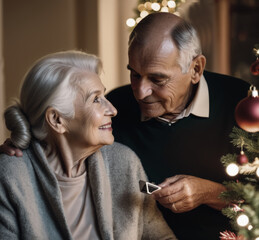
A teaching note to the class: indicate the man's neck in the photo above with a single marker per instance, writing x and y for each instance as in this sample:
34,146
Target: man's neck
174,115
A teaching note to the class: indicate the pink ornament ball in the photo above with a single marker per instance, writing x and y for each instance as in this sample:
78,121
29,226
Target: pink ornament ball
247,114
242,158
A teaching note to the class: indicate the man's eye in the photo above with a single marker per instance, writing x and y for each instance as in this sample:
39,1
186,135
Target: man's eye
159,82
135,75
97,99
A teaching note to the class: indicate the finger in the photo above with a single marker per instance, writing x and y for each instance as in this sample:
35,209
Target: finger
7,150
168,190
170,180
170,199
174,207
18,153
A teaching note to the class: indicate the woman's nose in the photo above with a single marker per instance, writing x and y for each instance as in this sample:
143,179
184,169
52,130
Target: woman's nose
110,110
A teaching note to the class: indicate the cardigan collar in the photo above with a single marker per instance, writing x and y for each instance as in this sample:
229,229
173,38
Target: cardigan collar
101,192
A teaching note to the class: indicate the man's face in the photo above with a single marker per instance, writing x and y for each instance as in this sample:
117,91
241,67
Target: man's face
157,81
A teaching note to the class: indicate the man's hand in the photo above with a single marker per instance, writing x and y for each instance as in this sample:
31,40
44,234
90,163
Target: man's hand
182,193
8,148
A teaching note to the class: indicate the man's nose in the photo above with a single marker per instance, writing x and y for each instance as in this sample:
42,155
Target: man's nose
142,89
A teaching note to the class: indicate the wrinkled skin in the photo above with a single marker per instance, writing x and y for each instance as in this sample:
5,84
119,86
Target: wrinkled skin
183,193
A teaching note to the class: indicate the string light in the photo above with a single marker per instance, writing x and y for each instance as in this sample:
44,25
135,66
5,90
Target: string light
250,227
130,22
138,19
232,169
141,7
171,4
144,14
164,9
155,6
242,220
146,7
256,50
257,172
164,3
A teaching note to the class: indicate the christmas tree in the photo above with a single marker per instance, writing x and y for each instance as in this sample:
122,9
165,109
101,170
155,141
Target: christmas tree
243,191
146,7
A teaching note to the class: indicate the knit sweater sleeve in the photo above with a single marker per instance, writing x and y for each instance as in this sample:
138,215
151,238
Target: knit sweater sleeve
142,211
29,201
154,225
9,227
8,224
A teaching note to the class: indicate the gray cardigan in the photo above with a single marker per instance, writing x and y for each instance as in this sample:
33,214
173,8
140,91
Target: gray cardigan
31,205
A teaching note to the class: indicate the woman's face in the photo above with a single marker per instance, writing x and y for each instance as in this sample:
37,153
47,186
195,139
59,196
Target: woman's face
91,126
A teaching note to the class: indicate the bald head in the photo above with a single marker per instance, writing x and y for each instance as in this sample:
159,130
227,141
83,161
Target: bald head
159,27
155,25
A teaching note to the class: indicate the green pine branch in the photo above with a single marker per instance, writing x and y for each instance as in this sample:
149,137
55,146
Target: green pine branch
227,159
250,141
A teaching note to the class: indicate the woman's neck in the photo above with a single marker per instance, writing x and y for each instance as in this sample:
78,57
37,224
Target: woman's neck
65,159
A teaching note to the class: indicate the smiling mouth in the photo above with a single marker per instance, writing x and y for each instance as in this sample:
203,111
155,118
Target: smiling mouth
107,126
148,103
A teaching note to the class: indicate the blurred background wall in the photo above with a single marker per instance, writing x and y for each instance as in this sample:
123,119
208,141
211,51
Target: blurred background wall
30,29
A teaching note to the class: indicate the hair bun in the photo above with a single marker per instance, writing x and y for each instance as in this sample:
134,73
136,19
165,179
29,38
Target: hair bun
18,125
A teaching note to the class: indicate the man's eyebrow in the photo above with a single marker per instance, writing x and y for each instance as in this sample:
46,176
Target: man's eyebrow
154,75
130,68
158,75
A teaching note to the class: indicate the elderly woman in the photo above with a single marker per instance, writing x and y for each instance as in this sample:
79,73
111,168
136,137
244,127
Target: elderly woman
68,184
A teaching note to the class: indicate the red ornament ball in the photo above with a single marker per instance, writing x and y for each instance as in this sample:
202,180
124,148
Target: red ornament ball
242,158
255,68
247,114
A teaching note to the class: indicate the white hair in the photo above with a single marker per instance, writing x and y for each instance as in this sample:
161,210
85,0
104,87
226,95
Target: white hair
187,41
51,82
183,35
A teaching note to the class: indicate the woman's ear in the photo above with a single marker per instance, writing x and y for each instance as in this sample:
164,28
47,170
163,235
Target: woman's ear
198,66
55,121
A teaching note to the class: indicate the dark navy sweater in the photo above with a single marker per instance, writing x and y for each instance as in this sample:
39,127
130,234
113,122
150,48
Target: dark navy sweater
191,146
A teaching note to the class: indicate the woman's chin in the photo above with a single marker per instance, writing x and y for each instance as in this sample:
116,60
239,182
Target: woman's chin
109,141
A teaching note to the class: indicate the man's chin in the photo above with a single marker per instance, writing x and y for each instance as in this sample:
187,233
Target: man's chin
150,114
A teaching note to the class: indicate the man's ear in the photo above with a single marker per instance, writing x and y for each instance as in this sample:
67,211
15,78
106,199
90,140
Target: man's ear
197,68
55,121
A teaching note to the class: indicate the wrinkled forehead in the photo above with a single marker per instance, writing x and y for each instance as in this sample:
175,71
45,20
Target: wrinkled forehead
89,82
152,42
161,50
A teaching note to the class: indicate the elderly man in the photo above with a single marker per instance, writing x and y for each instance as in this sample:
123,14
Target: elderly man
177,118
